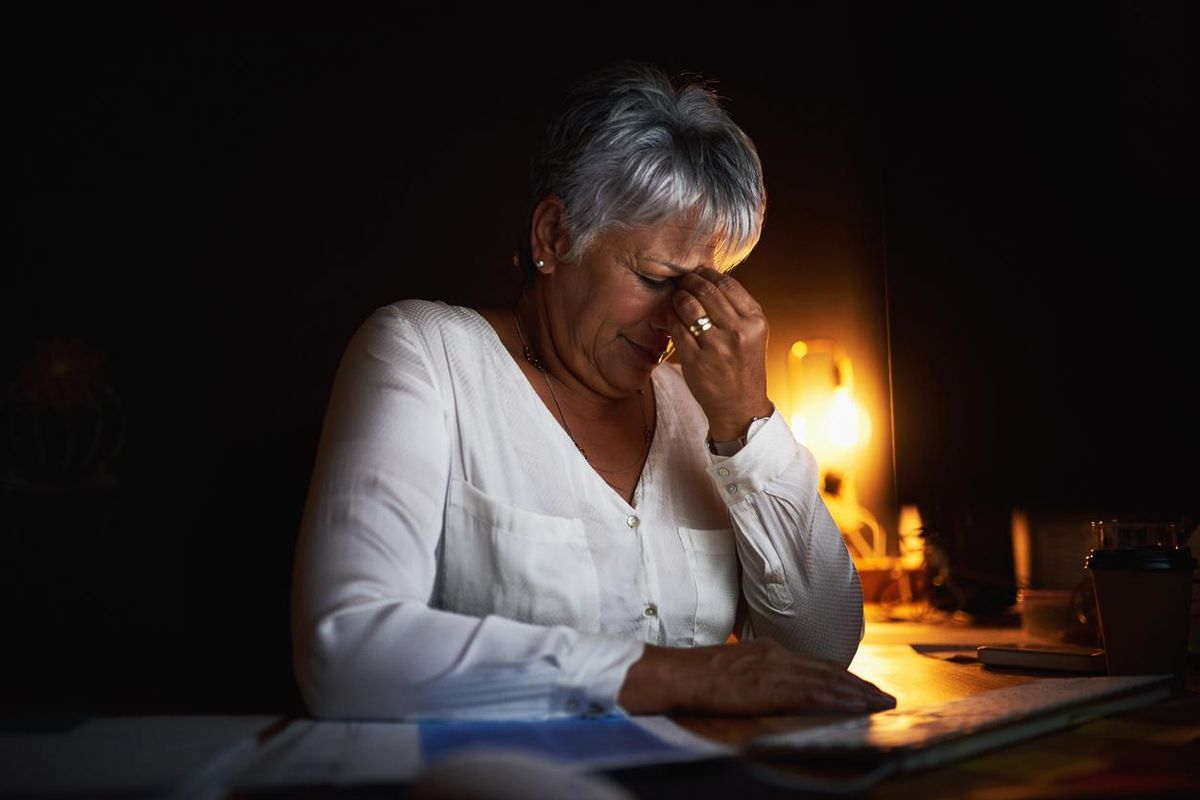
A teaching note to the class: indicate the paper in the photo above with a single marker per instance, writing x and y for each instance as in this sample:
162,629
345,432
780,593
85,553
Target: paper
603,743
315,753
348,753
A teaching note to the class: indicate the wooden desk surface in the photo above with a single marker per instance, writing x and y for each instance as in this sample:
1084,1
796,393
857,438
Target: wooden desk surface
890,662
1151,751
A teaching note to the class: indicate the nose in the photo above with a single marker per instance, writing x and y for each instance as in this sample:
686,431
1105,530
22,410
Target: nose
658,321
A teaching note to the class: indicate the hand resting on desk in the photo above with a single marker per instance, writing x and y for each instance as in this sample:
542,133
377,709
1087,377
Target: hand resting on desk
755,677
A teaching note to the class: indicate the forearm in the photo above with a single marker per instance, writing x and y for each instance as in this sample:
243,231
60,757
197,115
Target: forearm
818,610
403,660
797,576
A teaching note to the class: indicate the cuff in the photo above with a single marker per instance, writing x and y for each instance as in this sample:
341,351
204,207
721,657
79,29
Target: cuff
592,674
763,458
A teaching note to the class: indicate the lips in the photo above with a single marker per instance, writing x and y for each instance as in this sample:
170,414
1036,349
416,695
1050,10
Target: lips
651,355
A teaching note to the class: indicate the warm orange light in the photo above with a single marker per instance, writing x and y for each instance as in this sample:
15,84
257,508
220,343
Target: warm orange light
827,419
912,543
848,422
825,415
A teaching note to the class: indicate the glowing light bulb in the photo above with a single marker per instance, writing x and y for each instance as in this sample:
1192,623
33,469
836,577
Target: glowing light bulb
844,419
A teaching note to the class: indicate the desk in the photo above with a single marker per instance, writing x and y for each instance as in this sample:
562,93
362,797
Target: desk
1145,752
1149,751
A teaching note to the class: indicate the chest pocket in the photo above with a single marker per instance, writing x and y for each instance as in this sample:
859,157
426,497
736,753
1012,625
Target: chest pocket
518,564
712,555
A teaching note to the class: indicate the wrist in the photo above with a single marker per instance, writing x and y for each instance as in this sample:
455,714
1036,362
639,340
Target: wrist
738,430
664,679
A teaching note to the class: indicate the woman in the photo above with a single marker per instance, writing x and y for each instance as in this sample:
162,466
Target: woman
523,512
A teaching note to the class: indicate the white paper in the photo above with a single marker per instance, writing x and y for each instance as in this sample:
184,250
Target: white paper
348,753
312,753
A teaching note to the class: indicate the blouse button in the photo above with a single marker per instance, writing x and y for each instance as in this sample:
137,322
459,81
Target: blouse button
732,488
651,610
723,472
633,522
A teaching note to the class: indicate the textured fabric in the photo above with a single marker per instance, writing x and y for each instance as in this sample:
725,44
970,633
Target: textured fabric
459,558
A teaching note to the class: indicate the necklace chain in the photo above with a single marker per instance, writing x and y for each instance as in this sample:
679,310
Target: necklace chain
647,432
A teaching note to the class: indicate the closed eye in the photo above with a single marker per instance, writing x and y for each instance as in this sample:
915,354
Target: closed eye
655,284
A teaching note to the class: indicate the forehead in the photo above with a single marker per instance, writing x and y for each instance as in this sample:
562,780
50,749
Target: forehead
677,243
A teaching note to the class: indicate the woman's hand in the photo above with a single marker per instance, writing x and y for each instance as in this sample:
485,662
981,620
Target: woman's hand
751,678
725,366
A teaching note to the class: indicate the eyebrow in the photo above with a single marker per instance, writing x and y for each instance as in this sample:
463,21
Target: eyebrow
669,265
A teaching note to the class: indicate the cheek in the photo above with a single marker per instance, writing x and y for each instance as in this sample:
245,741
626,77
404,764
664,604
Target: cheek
616,305
638,306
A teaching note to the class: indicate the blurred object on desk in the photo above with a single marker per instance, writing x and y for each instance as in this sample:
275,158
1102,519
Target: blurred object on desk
1059,615
897,588
969,560
1049,548
1054,592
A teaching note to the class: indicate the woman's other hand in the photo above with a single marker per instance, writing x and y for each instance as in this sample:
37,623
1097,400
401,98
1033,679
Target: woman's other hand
725,366
756,677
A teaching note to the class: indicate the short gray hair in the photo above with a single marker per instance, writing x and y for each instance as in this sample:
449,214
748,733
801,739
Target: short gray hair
632,147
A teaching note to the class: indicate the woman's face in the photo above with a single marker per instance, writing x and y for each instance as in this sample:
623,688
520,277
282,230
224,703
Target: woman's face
608,311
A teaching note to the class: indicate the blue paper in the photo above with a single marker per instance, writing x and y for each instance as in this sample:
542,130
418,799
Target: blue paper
571,740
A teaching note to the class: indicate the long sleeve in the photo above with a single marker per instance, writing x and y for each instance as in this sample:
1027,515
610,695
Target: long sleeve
799,583
366,643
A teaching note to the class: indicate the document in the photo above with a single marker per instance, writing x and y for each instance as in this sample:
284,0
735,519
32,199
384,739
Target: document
348,753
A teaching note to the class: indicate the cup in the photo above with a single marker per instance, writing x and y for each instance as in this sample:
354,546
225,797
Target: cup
1143,588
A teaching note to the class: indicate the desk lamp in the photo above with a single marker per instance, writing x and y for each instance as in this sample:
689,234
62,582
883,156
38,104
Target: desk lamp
829,420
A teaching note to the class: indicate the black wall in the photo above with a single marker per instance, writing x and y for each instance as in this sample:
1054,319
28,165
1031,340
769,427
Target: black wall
1041,202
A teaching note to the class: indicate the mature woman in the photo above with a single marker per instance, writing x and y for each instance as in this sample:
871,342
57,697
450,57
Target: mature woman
524,512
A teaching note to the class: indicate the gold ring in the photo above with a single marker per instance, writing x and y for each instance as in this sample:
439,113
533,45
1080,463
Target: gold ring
700,326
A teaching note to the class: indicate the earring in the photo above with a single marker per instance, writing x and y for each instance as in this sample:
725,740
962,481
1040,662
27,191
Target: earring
540,263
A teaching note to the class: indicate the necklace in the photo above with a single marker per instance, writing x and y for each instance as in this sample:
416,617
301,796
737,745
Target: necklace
647,432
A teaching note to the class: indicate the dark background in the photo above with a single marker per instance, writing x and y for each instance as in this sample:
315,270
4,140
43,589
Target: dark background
202,220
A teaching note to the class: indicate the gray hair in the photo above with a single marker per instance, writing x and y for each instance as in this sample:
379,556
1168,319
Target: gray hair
633,147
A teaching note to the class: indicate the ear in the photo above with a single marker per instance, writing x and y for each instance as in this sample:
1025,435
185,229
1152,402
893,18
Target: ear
549,240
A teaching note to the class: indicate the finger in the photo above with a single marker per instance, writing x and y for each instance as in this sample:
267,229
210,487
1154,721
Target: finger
870,686
829,683
844,683
731,288
837,698
876,697
688,309
881,702
834,702
685,343
835,672
715,303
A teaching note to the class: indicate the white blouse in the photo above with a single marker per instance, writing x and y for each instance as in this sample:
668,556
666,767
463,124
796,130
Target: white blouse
458,557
